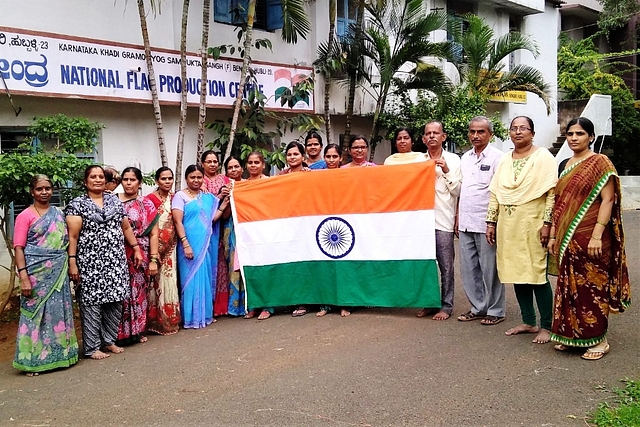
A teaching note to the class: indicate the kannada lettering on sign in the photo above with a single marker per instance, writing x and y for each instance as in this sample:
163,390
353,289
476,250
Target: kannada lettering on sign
33,63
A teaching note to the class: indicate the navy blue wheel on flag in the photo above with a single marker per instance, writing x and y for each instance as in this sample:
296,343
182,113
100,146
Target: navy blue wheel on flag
335,237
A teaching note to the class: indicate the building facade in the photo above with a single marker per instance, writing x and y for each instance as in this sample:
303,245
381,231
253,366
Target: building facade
86,58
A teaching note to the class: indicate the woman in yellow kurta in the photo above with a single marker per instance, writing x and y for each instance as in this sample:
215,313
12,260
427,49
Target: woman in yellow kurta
519,220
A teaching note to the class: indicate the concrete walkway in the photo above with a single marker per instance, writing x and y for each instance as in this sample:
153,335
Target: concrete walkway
375,368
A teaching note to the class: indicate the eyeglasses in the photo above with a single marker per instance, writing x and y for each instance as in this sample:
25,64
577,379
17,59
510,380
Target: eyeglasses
359,148
519,128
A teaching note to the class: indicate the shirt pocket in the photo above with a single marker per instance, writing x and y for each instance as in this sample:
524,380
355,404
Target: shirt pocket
483,174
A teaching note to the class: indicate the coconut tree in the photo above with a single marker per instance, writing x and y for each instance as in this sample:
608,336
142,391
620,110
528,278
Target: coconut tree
397,41
482,65
329,59
295,24
152,80
202,116
354,68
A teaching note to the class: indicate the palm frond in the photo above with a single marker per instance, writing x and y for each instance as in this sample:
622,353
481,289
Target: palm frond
295,20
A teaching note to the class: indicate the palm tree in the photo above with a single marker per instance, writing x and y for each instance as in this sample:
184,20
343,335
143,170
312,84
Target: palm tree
482,63
295,23
183,94
397,36
204,57
152,81
354,69
329,62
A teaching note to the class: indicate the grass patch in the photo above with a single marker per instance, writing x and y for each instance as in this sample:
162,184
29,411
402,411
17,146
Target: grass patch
626,410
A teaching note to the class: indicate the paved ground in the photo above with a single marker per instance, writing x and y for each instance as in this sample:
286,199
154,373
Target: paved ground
375,368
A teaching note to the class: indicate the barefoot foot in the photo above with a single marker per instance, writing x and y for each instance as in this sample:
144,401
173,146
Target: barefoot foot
322,313
32,374
143,339
522,329
345,313
543,337
441,315
113,349
424,312
99,355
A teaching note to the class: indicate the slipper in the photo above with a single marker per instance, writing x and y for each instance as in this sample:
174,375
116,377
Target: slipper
264,315
596,353
469,316
299,312
492,320
250,315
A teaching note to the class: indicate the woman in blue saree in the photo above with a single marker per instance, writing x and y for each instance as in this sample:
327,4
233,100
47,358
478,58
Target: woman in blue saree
46,335
194,212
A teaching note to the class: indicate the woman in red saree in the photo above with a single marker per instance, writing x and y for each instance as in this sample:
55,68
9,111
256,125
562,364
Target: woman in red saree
163,314
588,241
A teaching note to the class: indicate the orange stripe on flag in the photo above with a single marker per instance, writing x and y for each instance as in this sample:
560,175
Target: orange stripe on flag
377,189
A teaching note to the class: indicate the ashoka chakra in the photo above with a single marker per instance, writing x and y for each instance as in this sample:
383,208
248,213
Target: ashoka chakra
335,237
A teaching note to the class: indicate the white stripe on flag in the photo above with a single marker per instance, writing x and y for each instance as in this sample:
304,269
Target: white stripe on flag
407,235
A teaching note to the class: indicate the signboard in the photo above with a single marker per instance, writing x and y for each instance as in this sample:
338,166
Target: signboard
44,64
515,96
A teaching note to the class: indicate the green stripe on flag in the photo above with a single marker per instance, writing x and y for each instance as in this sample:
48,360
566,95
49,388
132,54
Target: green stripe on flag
398,283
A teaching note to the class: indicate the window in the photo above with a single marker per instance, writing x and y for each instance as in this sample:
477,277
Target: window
515,25
456,11
268,13
347,12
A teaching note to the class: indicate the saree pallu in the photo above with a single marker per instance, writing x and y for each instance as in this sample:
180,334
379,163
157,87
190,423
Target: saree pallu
196,278
46,336
230,293
588,289
163,313
142,215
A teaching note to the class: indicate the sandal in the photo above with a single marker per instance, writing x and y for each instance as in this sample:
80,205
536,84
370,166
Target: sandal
250,315
492,320
299,312
596,352
264,315
560,347
469,316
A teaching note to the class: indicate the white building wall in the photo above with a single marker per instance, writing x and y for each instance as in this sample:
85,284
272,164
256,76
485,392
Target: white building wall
130,128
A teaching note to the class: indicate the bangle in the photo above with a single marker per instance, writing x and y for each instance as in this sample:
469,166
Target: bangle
221,210
186,246
153,259
135,245
604,224
491,226
183,238
552,237
596,238
21,269
71,256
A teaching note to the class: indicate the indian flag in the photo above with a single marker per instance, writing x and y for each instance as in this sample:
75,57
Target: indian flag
349,237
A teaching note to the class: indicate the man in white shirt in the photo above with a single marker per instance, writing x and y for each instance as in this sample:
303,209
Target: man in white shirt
477,257
448,179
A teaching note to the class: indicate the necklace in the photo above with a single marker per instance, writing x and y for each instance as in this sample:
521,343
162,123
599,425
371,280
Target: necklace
37,210
163,199
191,193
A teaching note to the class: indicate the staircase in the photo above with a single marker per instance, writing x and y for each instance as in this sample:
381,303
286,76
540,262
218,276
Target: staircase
557,144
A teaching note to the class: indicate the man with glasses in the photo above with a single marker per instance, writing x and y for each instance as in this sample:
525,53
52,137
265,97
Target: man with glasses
448,179
480,279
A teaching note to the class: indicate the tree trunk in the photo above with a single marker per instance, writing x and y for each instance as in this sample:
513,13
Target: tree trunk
353,81
152,84
251,12
374,127
327,77
204,57
6,289
183,94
